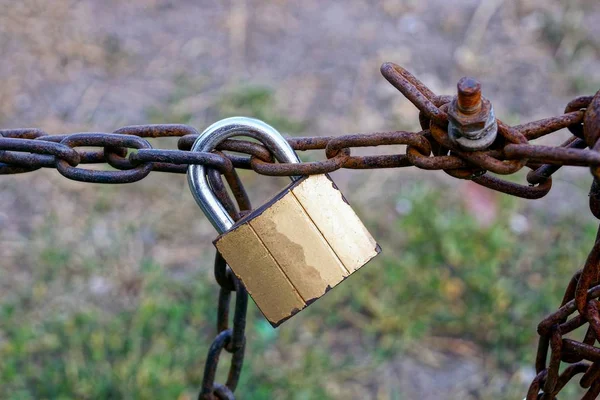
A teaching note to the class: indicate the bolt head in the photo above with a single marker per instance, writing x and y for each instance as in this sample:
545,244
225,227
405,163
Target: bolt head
468,86
469,95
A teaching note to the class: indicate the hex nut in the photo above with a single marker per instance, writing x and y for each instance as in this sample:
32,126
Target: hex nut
469,124
472,132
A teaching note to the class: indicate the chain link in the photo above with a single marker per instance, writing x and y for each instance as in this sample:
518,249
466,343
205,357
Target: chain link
128,151
24,150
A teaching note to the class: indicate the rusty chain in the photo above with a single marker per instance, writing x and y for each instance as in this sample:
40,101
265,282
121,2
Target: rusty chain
132,158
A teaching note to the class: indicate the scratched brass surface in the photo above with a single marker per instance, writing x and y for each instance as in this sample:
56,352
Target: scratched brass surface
294,249
264,280
337,221
299,248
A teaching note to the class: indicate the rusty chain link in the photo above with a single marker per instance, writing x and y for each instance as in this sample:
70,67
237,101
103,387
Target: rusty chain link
132,157
233,340
126,150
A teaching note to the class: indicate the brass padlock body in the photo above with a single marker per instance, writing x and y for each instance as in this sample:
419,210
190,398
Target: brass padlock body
298,246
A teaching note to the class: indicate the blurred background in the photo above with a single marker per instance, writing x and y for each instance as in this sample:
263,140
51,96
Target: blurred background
107,291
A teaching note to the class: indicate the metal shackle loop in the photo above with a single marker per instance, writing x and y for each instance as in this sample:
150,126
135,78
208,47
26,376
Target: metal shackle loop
208,141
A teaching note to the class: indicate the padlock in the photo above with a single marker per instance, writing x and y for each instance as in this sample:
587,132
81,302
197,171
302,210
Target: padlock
295,248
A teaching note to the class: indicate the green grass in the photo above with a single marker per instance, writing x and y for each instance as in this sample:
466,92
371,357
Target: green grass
440,275
93,354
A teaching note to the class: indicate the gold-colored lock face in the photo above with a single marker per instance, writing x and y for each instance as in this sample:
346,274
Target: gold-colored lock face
295,248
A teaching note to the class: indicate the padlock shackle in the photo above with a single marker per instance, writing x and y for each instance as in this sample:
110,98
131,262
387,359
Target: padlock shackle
208,141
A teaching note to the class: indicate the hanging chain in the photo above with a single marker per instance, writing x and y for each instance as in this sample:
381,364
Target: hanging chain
233,340
433,148
579,310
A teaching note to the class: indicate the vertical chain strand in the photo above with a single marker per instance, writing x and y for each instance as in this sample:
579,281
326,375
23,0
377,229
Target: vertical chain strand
233,340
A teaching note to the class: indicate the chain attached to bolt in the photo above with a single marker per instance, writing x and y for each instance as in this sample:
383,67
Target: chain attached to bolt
460,135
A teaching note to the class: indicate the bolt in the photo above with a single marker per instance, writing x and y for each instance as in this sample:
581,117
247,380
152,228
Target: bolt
471,122
469,95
